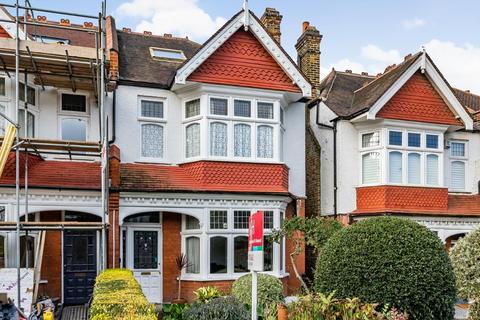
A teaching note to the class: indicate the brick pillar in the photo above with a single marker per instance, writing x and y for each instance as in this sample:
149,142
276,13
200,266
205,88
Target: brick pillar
293,283
308,50
272,20
114,235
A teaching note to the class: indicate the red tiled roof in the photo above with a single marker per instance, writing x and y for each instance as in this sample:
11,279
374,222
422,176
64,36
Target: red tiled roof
206,176
53,174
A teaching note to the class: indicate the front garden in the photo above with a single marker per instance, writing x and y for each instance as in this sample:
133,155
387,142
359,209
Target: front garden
381,269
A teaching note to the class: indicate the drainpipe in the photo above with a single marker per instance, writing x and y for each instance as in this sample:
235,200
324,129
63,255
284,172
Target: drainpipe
335,180
114,108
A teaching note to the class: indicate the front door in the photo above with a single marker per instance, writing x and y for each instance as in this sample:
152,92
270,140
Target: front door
79,265
145,261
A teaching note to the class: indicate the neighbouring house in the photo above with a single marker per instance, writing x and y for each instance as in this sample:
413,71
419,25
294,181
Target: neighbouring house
401,143
201,136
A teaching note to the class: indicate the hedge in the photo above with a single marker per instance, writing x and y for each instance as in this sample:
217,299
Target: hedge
391,261
117,295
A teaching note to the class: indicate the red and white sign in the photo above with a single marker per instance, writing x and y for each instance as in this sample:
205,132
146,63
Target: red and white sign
255,242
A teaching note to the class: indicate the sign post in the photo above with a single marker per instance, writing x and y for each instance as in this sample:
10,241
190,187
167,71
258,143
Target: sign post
255,254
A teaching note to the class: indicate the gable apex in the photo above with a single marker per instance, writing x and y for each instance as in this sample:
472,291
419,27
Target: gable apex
259,32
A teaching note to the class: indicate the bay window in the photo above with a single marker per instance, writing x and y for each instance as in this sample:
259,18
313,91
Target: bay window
151,117
458,159
219,248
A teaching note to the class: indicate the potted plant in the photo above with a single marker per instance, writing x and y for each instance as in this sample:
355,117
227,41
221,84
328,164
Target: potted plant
181,263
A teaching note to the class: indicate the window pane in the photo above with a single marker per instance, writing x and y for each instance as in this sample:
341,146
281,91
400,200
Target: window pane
414,139
191,223
267,254
145,250
371,168
27,251
457,149
264,142
31,123
268,219
74,102
2,87
240,254
218,139
218,255
243,140
193,254
282,115
30,93
2,252
218,219
395,138
458,175
240,219
74,129
414,167
370,140
265,110
2,213
152,141
432,141
242,108
168,54
152,109
219,106
192,108
144,217
395,167
432,169
193,140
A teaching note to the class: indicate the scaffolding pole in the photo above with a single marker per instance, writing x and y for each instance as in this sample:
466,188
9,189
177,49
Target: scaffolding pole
54,147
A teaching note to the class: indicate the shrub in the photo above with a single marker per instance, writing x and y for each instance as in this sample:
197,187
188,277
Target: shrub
223,308
205,294
173,311
390,261
269,289
465,260
117,295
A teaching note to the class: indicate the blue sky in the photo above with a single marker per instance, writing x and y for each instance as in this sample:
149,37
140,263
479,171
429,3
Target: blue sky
363,35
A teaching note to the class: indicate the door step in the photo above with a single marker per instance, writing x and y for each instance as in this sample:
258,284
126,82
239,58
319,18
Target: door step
75,313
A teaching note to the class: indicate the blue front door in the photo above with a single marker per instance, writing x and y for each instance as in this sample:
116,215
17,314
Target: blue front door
79,265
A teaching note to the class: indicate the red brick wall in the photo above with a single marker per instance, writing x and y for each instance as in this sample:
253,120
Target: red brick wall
171,250
113,207
293,284
401,198
418,101
243,61
52,259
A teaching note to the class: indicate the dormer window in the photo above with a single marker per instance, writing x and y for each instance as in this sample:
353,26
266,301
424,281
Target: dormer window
167,54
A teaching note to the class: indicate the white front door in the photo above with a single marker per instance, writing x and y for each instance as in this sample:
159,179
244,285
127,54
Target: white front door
145,260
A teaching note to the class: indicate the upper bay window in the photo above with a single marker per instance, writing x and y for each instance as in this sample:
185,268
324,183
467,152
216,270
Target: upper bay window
458,163
237,129
151,118
408,157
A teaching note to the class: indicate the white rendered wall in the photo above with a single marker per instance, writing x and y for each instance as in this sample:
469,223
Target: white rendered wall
294,147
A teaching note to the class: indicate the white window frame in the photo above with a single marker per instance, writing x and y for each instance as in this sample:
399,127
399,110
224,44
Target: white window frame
155,121
463,159
62,112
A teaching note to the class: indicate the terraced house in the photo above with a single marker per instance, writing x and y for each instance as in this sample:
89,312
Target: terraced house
200,136
401,143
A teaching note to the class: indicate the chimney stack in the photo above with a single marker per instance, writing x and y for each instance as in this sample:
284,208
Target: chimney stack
308,51
272,20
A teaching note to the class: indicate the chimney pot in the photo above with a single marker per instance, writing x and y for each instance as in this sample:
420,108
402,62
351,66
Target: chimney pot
147,33
126,30
348,71
88,24
408,56
167,35
65,22
41,18
364,73
467,91
305,26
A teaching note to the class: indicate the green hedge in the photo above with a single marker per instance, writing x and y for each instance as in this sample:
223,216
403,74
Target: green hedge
390,261
117,295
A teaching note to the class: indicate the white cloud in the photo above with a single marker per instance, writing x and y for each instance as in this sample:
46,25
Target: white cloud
414,23
459,64
376,54
179,17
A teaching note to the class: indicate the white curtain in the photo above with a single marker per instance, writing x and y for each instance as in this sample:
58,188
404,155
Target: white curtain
152,141
432,169
264,142
371,168
457,175
193,254
218,139
242,143
193,140
414,167
395,167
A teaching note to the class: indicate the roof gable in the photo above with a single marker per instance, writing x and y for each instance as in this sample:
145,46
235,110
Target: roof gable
250,22
417,100
243,61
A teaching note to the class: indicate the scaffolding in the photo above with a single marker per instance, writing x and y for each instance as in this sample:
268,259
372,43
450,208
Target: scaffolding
61,66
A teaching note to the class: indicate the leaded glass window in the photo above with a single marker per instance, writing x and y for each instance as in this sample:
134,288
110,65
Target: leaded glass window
152,109
192,140
264,142
219,106
243,140
265,110
192,108
242,108
152,141
218,139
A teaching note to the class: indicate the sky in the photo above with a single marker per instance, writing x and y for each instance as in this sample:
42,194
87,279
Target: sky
362,35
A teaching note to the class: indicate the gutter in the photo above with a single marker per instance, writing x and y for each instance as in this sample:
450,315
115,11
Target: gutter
114,118
335,178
